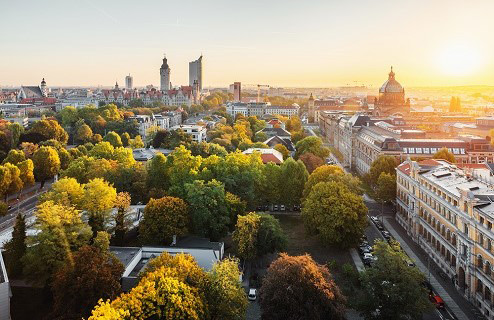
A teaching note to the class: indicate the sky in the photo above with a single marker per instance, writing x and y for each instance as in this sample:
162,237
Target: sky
310,43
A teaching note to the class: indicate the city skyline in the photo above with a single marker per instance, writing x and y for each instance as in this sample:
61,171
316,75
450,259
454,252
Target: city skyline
316,44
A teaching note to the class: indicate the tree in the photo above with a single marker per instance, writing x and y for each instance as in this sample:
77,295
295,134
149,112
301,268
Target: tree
29,149
84,134
444,154
386,187
385,164
226,297
26,169
270,236
103,150
336,214
49,129
163,218
157,172
59,231
16,130
14,156
136,143
65,158
182,168
311,161
99,197
283,150
293,177
67,192
328,173
113,138
5,180
313,145
245,235
15,248
125,139
68,116
4,208
15,179
91,275
391,289
121,220
208,211
46,164
299,288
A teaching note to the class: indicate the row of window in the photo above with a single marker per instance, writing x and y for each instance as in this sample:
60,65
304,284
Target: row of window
432,150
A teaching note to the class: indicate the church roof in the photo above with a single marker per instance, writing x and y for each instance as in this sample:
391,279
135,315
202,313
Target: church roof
391,85
32,92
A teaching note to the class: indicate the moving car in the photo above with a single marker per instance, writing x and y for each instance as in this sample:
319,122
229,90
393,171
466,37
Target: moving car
438,302
252,294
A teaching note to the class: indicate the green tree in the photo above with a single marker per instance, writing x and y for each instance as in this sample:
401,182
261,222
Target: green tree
5,180
14,156
59,231
65,158
392,287
208,208
293,178
245,235
271,186
299,288
15,248
46,164
270,236
157,172
91,274
84,134
163,218
103,150
444,154
182,168
385,164
16,130
113,138
313,145
15,179
386,187
68,116
328,173
283,150
336,214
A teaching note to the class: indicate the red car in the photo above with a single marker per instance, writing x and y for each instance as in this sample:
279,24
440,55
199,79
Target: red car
438,302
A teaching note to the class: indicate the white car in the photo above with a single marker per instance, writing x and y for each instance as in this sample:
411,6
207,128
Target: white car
252,294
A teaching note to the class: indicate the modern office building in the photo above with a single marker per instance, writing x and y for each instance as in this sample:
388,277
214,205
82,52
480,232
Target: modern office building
195,73
197,132
449,211
129,82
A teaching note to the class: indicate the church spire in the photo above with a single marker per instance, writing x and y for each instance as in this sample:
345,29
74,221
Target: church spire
391,74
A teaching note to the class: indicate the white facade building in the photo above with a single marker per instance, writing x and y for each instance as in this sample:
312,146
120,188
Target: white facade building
260,109
197,132
5,293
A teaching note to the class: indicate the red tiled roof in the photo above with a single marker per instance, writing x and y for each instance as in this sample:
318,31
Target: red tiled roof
268,157
405,168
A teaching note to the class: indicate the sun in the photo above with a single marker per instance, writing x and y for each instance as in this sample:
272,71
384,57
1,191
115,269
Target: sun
459,60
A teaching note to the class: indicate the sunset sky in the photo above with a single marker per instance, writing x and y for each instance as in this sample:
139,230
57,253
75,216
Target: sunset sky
282,43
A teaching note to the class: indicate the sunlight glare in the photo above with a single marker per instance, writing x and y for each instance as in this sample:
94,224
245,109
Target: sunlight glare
459,60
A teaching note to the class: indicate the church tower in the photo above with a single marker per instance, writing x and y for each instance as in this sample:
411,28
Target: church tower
312,112
165,75
43,88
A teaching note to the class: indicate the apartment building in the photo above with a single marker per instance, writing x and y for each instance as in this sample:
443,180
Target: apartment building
197,132
260,109
449,211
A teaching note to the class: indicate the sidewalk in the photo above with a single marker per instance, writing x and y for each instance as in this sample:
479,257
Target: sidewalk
356,260
461,308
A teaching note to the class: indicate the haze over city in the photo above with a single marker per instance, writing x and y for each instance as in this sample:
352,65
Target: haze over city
284,43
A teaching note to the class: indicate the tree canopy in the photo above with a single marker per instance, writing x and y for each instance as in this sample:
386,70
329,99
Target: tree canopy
444,154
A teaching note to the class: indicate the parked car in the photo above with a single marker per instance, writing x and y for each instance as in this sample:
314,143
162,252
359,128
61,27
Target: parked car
296,207
379,226
386,235
265,207
275,207
282,207
252,294
259,208
374,218
365,249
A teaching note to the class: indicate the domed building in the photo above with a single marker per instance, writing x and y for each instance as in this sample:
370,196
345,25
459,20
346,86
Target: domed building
391,99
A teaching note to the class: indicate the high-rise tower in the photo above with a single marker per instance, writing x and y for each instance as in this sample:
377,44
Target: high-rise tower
195,72
165,75
129,82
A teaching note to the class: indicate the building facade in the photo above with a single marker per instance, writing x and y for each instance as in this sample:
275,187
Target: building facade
195,73
5,292
129,82
449,212
197,132
261,109
165,81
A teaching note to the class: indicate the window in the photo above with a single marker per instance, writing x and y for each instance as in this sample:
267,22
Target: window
433,150
426,150
419,150
481,220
